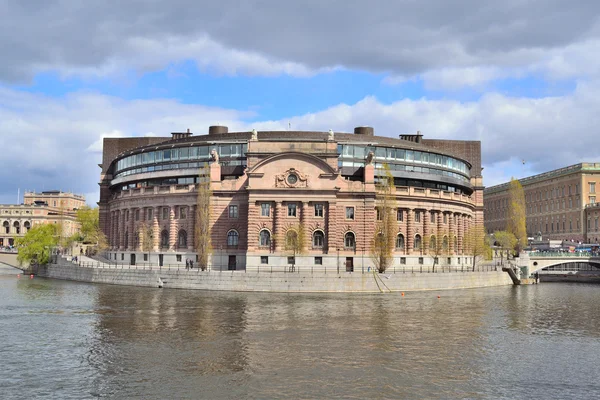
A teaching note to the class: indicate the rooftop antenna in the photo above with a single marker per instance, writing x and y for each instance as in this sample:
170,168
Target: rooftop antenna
289,125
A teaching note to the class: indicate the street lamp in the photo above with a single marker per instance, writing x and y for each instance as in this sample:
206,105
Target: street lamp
338,260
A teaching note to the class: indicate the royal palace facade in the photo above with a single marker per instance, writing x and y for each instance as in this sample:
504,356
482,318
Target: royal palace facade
560,204
264,184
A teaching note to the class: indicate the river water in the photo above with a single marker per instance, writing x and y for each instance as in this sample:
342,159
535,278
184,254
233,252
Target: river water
69,340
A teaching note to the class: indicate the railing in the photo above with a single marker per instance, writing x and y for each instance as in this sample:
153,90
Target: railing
297,269
563,254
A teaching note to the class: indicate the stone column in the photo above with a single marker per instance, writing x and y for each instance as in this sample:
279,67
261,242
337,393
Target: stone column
172,229
121,229
278,216
452,233
155,229
410,233
191,230
131,229
440,229
304,221
332,234
461,234
426,231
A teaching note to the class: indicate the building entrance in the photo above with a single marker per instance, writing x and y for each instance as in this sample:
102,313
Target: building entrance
349,264
231,264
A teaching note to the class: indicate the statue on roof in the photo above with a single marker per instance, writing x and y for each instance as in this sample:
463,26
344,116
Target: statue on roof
254,135
214,155
331,135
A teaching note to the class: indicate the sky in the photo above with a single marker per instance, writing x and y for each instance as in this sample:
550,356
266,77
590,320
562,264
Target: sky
522,77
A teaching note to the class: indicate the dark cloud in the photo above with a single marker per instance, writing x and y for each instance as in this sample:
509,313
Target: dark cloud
403,37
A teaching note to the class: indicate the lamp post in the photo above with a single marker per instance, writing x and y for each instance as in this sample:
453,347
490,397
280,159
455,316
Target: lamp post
338,260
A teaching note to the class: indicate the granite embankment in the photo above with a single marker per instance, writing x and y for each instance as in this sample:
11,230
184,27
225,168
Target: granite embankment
275,282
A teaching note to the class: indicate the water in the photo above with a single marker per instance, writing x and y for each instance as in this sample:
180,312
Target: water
69,340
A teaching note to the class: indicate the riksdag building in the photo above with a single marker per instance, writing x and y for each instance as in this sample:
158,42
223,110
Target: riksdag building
265,184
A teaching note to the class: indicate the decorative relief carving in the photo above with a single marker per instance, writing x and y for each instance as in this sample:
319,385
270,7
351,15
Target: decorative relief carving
291,179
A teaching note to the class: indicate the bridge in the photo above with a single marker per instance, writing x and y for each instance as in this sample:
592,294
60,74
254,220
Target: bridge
10,258
559,262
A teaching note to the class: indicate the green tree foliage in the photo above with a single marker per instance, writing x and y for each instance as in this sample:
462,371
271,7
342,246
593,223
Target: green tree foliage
203,208
89,227
37,243
516,213
146,237
506,240
477,244
386,229
295,241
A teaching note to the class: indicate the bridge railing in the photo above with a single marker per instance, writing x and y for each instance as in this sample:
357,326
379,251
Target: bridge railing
563,254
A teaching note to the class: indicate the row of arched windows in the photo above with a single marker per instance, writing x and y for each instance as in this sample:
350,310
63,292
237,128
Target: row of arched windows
16,227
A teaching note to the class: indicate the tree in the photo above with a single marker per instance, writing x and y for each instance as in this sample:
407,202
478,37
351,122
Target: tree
516,213
477,244
203,208
89,227
506,240
146,238
36,245
295,241
440,247
386,228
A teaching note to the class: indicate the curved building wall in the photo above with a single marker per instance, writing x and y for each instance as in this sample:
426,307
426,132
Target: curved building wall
267,183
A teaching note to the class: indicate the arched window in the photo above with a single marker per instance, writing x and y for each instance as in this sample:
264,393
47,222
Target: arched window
6,226
400,241
318,239
17,227
349,240
417,243
182,239
432,243
232,238
445,243
164,239
27,226
265,238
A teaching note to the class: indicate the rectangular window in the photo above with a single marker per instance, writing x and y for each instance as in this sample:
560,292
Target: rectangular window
182,212
149,214
445,218
417,216
318,260
421,260
264,259
592,187
178,256
318,210
265,210
449,261
291,209
378,213
233,211
291,260
145,257
349,212
592,200
399,215
137,214
165,213
403,260
122,256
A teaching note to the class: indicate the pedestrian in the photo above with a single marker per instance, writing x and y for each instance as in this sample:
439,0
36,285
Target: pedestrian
191,263
187,263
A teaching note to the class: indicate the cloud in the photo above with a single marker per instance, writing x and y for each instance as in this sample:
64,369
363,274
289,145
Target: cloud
448,43
54,143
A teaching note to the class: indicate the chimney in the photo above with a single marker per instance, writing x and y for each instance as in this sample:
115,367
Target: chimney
364,130
181,135
217,129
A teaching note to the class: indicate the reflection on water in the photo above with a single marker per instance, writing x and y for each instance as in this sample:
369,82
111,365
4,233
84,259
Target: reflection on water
72,340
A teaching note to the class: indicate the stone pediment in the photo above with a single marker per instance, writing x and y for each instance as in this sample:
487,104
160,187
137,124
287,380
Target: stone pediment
291,178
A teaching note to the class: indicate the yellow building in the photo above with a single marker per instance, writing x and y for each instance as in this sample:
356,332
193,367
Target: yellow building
560,204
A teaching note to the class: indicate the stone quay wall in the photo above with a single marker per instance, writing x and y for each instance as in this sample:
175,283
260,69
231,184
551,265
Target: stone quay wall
275,282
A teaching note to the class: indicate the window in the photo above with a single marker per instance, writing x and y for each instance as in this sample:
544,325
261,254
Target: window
165,213
149,214
318,239
232,238
349,240
400,241
182,239
592,200
265,238
417,216
349,212
318,210
318,260
182,212
592,187
421,260
445,218
399,215
233,211
137,214
403,260
417,242
178,257
265,210
432,243
145,257
164,239
122,256
378,213
264,259
432,217
291,209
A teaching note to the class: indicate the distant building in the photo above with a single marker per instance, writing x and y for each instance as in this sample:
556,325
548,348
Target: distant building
266,183
560,204
48,207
